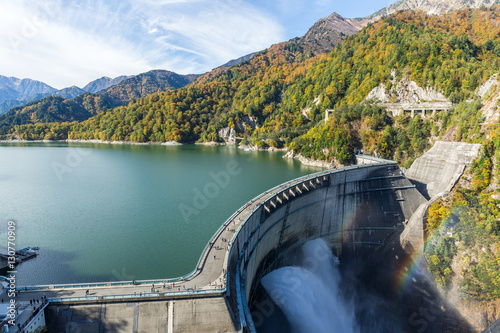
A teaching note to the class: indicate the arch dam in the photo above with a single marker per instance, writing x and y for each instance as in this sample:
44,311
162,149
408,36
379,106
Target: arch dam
362,211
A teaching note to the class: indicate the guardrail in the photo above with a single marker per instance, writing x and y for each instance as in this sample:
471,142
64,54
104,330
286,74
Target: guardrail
217,291
204,253
98,284
278,189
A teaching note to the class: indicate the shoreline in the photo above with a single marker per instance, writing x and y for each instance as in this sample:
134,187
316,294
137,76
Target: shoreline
289,153
169,143
310,162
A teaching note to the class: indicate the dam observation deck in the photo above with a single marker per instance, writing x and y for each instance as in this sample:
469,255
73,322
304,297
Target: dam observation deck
357,209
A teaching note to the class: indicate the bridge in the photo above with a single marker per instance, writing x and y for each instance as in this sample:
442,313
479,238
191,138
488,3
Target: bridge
412,109
421,108
359,210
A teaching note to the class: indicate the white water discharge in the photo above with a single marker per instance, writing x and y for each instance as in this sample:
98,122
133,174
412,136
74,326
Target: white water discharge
309,293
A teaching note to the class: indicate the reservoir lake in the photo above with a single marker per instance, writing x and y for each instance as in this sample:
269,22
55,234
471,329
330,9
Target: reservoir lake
104,212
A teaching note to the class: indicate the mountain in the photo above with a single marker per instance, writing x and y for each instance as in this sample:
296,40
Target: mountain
238,61
12,88
431,7
328,32
435,7
60,107
69,92
103,83
54,109
30,93
285,92
274,84
146,83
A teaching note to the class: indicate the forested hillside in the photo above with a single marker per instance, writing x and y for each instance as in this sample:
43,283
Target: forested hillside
145,84
86,105
287,90
54,110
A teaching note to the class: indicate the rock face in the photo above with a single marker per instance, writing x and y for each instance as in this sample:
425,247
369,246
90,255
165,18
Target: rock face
405,91
246,123
489,92
227,134
431,7
325,34
486,87
307,161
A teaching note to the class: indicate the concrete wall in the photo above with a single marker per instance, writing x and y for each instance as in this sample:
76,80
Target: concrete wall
37,322
438,170
435,174
355,209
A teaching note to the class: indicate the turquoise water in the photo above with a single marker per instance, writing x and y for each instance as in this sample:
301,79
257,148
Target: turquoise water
103,212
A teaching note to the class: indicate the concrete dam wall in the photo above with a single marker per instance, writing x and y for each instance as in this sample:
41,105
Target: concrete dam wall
364,212
356,209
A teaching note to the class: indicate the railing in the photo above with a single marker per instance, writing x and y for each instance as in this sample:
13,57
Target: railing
80,285
35,313
205,250
216,291
279,189
373,159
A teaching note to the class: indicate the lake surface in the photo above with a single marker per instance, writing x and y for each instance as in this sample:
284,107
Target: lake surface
103,212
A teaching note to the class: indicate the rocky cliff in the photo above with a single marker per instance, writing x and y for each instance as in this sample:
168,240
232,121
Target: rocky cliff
431,7
404,91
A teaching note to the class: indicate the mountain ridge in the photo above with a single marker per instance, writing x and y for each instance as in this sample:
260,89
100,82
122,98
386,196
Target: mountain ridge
430,7
100,85
16,92
326,33
57,108
14,88
104,83
146,83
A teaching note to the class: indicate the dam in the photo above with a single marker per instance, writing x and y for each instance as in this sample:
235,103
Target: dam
364,212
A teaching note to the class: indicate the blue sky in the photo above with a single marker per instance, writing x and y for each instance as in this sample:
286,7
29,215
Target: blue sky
72,42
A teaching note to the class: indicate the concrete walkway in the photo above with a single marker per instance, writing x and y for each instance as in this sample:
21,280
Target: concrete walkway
209,275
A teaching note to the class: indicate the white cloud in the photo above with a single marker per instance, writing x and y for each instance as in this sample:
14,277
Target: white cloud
63,42
222,31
